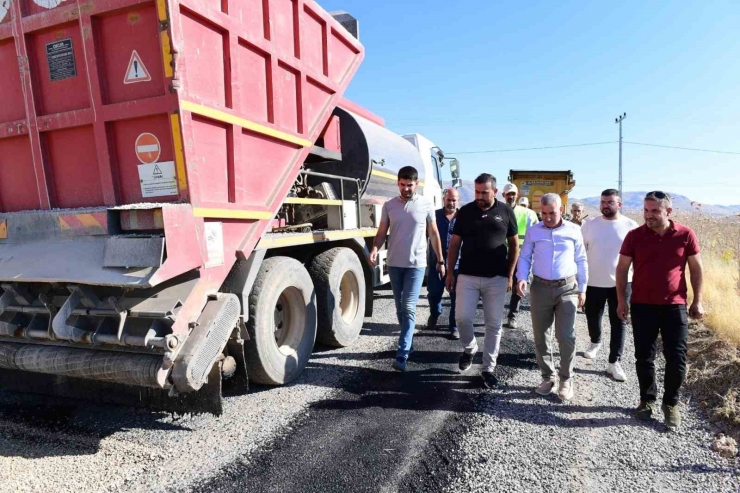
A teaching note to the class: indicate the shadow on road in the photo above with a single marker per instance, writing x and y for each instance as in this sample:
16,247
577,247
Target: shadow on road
58,426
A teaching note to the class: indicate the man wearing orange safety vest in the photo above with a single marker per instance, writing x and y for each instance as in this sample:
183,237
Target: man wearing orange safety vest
525,217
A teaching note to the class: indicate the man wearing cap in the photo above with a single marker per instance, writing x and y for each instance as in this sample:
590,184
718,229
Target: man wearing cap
524,219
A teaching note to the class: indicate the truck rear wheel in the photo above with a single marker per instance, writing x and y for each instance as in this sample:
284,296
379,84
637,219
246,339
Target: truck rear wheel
282,322
340,293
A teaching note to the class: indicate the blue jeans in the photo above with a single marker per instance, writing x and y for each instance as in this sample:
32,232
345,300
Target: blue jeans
435,290
406,283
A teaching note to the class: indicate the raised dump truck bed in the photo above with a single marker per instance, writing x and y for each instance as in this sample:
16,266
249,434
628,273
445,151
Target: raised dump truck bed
185,196
145,148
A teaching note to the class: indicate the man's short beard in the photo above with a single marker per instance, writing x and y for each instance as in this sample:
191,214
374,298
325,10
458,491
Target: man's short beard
608,213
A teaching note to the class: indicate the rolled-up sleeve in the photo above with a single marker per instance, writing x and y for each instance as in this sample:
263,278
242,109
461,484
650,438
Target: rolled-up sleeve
581,262
525,256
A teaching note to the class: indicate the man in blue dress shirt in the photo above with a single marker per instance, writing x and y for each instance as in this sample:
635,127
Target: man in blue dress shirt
554,251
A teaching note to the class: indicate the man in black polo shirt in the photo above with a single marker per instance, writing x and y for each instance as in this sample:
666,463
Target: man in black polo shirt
485,228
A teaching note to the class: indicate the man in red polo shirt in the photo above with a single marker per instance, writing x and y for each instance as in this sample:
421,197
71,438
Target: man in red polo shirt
660,250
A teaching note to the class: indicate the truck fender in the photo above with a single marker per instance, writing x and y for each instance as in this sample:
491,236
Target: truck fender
241,279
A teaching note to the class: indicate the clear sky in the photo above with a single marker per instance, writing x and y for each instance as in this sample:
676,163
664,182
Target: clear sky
487,75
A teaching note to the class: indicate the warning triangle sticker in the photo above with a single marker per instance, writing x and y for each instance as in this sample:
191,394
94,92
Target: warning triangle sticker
136,71
157,171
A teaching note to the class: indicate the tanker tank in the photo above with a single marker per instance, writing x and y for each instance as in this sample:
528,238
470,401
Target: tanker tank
371,154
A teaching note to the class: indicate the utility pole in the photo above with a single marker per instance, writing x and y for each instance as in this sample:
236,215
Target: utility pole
619,120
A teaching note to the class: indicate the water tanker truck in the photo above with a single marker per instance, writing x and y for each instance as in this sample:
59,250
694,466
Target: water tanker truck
186,198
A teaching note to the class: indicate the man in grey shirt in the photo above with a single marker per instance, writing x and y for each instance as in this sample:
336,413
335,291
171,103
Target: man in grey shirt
409,217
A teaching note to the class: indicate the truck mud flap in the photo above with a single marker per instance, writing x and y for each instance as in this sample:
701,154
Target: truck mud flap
207,400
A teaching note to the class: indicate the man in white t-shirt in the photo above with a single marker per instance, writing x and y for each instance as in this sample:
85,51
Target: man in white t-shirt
603,237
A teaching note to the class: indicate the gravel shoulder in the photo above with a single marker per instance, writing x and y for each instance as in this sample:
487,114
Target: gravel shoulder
520,441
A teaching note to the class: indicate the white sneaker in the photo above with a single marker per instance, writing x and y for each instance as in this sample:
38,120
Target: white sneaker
545,388
616,372
590,353
565,392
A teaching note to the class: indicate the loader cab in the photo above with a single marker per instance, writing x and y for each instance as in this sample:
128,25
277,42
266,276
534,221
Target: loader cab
431,175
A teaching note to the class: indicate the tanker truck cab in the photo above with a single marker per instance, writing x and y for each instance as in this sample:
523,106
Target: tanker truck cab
432,157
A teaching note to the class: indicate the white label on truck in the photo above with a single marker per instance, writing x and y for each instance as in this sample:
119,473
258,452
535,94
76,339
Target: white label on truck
214,244
48,4
4,9
158,179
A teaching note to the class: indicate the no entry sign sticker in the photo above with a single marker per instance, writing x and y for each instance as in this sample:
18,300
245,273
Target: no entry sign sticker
147,148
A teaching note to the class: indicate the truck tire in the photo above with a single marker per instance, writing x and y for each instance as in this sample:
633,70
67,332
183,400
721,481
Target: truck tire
340,294
282,322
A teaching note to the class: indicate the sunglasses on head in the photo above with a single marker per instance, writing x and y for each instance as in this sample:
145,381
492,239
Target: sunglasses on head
658,195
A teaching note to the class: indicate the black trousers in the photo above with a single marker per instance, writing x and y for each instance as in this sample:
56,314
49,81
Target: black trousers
672,323
514,300
596,299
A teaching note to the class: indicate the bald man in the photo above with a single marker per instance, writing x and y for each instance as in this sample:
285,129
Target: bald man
445,218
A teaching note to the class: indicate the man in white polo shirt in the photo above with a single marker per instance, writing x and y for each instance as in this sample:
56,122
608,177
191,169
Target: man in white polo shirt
603,237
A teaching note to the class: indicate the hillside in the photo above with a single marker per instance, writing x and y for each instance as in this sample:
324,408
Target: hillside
633,201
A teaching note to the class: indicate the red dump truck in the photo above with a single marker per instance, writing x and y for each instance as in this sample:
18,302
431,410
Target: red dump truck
186,198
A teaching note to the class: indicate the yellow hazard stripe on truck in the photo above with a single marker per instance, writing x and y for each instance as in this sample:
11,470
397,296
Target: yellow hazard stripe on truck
231,213
279,240
182,180
224,117
84,224
164,37
390,176
3,229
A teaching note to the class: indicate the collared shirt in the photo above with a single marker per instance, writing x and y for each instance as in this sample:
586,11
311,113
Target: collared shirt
444,226
554,253
407,241
660,263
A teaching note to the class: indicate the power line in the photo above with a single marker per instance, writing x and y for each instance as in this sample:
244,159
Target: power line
694,149
534,148
682,148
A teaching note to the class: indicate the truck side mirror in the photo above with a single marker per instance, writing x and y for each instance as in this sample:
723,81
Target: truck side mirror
456,182
454,169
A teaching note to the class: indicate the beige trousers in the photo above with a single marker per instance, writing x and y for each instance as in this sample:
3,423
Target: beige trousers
550,304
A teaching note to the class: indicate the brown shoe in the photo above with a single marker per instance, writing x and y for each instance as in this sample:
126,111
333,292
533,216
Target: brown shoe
645,410
672,415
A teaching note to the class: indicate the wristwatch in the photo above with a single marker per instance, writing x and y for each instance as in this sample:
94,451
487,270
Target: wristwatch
440,263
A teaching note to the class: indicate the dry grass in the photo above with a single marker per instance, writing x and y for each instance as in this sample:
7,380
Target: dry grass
713,377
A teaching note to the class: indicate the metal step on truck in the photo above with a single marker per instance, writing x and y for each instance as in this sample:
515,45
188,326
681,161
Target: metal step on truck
186,198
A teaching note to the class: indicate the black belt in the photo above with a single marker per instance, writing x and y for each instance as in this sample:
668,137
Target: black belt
556,283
